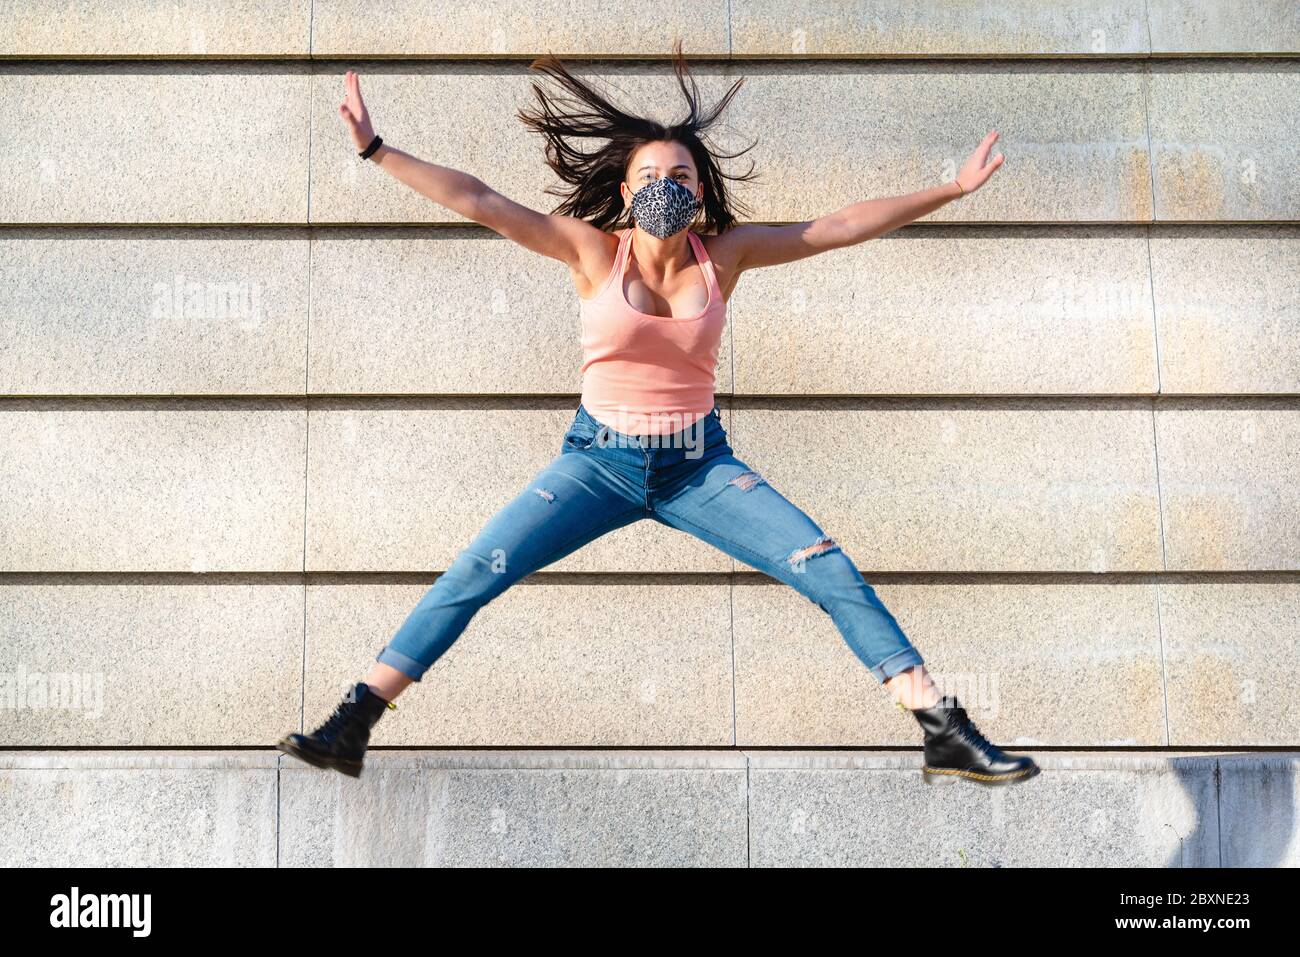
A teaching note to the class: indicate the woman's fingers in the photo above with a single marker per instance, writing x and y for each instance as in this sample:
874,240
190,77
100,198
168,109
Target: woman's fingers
353,111
987,170
350,88
978,168
355,102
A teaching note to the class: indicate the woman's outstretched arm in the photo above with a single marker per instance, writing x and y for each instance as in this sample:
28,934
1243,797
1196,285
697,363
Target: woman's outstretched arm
565,238
752,245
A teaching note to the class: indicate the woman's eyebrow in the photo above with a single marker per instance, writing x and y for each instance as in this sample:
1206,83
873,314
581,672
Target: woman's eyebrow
652,166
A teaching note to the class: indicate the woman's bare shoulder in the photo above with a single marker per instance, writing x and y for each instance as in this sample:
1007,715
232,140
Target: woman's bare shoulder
595,261
724,251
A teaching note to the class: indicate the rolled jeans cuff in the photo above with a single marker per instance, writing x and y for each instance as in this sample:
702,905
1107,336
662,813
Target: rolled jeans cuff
403,663
898,662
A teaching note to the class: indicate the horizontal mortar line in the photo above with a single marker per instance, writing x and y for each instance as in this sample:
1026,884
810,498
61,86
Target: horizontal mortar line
448,225
1224,750
995,57
734,402
739,577
168,60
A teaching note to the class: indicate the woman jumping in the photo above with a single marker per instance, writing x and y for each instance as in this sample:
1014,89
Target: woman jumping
647,439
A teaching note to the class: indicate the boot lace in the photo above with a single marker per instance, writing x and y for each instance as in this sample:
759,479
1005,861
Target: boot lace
970,733
338,720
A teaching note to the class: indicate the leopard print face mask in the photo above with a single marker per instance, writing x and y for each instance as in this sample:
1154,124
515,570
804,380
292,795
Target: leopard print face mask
664,207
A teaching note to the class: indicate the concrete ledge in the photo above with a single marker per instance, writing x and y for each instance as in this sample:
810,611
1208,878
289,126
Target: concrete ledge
826,809
643,808
138,809
660,811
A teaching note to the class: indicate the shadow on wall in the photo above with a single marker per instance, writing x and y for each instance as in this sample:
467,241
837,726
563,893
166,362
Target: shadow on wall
1243,785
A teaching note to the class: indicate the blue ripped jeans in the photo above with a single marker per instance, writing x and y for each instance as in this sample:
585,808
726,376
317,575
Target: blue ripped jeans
603,479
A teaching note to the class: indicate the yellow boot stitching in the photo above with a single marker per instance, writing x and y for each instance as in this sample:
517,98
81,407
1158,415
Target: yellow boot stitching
976,774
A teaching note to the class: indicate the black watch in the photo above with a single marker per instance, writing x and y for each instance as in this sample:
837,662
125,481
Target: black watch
374,145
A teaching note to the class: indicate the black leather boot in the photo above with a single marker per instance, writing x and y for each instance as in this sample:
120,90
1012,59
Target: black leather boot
954,749
341,741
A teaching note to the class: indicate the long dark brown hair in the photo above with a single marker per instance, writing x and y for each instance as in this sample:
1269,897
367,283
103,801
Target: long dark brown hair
593,177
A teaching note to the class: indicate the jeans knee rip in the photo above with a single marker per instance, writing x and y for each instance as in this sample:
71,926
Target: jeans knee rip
546,494
746,480
820,547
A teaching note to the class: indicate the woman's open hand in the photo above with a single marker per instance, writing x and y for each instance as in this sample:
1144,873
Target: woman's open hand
974,173
353,111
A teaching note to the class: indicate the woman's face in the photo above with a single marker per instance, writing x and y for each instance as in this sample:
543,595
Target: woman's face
654,161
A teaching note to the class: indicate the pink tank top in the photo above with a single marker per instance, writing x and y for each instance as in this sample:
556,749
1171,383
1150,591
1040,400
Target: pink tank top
643,374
